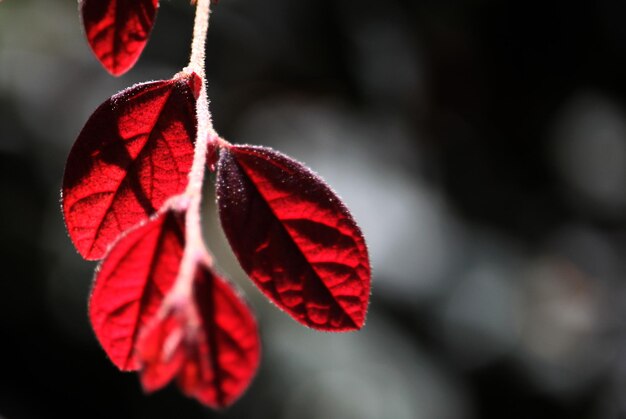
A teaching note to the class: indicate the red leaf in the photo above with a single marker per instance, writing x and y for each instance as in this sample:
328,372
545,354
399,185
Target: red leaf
117,30
213,362
134,152
131,282
294,238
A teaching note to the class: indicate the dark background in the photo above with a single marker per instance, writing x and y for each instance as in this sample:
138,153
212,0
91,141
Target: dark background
480,144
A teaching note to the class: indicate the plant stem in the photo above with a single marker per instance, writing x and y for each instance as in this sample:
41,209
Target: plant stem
200,28
195,249
205,131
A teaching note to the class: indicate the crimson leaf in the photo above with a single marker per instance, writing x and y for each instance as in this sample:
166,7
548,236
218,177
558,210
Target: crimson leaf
131,282
213,362
117,30
294,237
134,152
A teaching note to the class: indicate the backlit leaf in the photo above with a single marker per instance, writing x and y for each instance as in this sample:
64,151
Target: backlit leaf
134,152
213,362
294,238
117,30
131,282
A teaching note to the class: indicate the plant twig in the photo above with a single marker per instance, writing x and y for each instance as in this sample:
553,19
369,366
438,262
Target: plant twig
195,249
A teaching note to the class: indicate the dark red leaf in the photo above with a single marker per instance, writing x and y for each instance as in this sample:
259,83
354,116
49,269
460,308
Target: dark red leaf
117,30
294,238
134,152
131,282
213,362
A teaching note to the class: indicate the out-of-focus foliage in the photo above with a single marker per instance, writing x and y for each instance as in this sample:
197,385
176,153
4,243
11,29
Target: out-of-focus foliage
481,145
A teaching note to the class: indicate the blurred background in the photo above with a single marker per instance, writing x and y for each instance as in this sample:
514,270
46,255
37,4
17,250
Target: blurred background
481,145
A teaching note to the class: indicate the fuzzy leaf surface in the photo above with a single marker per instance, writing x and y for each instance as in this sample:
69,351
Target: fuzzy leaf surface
134,152
214,362
294,237
118,30
131,283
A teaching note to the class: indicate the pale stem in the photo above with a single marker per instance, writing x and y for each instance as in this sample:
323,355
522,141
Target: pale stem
195,250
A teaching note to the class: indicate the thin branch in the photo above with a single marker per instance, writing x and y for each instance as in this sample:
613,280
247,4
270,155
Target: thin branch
195,250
